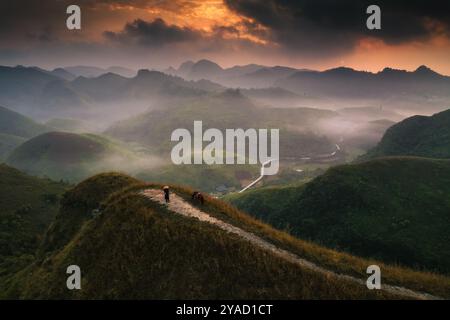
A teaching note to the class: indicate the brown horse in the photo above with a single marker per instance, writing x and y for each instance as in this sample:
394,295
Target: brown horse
198,197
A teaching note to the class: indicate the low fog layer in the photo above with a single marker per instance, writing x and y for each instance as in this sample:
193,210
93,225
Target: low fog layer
324,117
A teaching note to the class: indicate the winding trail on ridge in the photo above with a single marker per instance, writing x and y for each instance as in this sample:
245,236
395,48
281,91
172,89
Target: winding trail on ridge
180,206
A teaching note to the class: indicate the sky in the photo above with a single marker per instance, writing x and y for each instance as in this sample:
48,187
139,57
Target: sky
314,34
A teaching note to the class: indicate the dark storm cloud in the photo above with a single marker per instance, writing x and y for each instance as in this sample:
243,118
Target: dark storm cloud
22,20
153,33
25,20
303,31
324,24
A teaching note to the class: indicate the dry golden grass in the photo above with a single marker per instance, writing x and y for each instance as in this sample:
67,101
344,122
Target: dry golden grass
339,262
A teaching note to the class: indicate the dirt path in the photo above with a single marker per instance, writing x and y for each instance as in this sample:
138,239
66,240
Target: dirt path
179,206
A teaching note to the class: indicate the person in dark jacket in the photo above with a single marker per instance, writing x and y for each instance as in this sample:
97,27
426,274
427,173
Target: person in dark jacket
166,194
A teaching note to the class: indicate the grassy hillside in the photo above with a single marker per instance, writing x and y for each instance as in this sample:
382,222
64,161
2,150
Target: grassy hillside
15,129
77,207
416,136
13,123
393,209
136,249
27,207
68,156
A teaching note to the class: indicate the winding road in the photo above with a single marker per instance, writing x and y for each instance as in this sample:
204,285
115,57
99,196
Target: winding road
338,148
263,167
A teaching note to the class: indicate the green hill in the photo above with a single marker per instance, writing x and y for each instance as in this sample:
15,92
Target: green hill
133,247
15,129
15,124
68,156
416,136
77,206
393,209
27,207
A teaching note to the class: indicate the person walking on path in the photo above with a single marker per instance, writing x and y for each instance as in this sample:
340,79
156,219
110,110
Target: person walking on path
166,194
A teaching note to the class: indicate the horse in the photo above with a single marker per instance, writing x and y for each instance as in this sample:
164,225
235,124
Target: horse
199,197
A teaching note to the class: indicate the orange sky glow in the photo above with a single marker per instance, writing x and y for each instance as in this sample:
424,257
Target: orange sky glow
206,15
231,43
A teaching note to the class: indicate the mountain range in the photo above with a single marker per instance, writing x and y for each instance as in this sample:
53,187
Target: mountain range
70,73
247,76
348,83
82,93
43,95
16,129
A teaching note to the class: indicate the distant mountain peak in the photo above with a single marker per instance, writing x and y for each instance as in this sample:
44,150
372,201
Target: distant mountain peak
121,71
142,72
204,66
424,70
203,69
206,62
185,64
110,75
146,72
341,70
185,67
170,70
389,69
